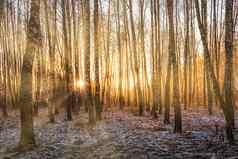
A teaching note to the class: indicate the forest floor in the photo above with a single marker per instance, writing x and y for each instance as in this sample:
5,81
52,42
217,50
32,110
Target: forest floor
121,135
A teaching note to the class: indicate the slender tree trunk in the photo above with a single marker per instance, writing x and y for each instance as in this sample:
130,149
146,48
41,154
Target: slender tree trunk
159,68
153,111
3,105
137,68
27,139
51,67
167,97
107,58
96,47
120,54
88,93
126,35
228,79
176,100
68,65
186,53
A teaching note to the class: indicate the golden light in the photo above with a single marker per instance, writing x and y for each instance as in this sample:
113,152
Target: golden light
80,84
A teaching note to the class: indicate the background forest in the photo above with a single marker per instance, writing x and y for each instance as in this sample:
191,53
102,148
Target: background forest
160,58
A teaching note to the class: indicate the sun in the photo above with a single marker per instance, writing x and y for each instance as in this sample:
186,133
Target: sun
80,84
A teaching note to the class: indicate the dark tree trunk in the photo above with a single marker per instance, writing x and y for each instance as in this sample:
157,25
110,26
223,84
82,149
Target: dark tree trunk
167,93
96,46
3,103
227,103
186,54
228,79
176,96
68,65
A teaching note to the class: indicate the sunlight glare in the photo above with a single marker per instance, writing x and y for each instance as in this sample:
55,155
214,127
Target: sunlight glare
80,84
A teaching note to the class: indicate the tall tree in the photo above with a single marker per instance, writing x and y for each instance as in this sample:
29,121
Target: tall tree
225,104
228,79
186,52
2,3
68,58
51,66
136,62
154,73
145,81
120,53
155,49
105,92
97,51
172,54
3,95
27,139
87,55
